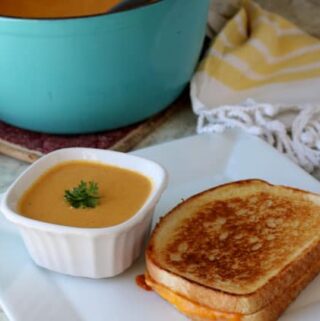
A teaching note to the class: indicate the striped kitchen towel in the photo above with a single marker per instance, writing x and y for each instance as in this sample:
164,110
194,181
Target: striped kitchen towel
262,74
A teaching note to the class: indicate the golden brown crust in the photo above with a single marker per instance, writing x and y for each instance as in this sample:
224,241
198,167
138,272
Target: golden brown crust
246,302
275,309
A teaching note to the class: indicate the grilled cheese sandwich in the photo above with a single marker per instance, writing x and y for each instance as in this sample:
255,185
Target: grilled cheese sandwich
238,252
187,307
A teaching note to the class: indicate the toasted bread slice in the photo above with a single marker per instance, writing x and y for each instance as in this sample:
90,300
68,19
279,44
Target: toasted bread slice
237,247
271,312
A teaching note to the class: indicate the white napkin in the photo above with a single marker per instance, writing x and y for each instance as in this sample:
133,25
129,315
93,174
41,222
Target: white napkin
262,74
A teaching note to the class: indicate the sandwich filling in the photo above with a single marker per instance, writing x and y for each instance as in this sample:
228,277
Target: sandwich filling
187,307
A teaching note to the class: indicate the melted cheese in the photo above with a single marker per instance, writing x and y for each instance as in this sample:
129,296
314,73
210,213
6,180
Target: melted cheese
189,308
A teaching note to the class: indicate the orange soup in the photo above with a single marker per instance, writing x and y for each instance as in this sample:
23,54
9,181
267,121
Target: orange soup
121,193
54,8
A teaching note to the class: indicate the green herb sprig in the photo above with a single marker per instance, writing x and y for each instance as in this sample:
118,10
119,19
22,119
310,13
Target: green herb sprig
85,195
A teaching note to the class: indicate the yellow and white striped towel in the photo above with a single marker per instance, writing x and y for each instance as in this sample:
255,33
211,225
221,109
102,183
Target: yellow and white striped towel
262,74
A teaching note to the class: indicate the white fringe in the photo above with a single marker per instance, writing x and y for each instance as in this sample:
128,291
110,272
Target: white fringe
299,140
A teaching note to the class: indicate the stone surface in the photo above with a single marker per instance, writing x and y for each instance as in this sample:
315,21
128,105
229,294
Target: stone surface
181,125
304,13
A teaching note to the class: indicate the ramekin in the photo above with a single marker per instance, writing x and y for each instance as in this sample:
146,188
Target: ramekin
85,252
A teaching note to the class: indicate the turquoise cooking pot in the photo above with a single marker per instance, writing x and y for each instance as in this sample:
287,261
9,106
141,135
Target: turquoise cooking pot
88,74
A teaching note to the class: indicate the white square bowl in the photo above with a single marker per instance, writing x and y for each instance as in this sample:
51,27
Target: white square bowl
86,252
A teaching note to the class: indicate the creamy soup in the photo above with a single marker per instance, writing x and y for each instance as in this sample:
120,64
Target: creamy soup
121,194
54,8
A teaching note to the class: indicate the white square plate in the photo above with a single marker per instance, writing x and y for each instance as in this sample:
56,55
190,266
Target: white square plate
29,293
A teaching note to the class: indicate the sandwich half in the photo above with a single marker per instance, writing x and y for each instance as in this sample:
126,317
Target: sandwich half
240,251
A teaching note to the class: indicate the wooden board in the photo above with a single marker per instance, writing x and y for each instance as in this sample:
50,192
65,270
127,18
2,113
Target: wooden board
28,146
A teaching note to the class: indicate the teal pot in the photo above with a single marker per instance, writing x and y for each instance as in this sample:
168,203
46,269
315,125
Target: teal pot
88,74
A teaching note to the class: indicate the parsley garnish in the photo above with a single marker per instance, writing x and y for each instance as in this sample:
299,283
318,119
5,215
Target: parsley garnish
83,196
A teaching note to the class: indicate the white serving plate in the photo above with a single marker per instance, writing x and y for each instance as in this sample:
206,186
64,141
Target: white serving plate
29,293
